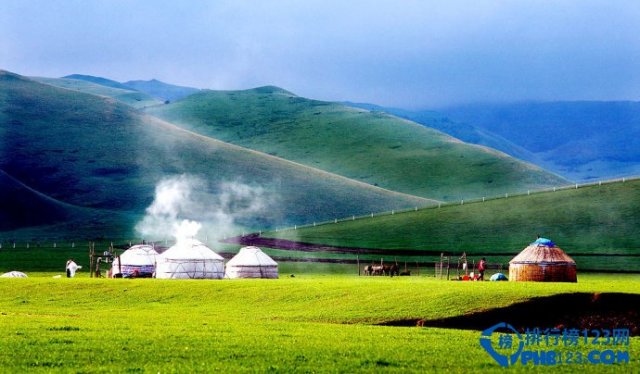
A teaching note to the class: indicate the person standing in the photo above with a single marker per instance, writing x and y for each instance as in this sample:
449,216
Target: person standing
482,265
72,267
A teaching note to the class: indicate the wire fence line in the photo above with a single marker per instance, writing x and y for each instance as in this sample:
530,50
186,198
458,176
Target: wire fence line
459,202
6,243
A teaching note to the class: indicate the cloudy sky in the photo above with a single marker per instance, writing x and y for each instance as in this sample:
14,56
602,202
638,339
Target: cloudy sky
411,54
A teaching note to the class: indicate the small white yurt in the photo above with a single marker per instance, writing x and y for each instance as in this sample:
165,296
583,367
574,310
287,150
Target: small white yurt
14,274
138,261
251,262
189,259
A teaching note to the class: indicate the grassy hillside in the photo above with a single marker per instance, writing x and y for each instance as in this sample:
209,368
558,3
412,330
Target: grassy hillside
464,131
302,324
586,221
19,204
121,93
94,152
97,80
371,147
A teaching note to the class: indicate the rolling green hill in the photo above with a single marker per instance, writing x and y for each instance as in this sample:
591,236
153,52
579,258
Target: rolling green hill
121,93
95,152
371,147
97,80
588,221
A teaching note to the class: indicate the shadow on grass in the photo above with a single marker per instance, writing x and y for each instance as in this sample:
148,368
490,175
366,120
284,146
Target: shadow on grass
574,310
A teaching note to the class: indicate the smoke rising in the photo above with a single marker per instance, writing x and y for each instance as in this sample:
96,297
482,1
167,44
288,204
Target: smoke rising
186,206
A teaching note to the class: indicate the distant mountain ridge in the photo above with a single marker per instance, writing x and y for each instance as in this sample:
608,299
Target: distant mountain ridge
153,87
582,140
161,90
136,99
579,140
98,80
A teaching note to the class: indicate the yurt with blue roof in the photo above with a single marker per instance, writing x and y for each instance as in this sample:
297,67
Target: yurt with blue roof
542,261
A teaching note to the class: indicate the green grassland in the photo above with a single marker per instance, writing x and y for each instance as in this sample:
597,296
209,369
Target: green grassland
130,97
591,220
303,324
94,152
371,147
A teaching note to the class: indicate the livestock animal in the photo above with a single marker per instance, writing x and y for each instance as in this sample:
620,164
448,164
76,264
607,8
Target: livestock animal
377,270
390,270
368,270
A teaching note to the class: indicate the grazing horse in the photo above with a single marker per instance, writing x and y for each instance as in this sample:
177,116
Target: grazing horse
377,270
391,270
368,270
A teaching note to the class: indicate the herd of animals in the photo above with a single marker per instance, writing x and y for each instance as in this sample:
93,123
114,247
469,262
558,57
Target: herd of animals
384,269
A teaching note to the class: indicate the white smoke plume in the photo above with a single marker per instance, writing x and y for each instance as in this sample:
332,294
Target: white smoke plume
186,206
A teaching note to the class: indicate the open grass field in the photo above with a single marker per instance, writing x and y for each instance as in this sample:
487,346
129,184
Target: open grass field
598,225
310,323
371,147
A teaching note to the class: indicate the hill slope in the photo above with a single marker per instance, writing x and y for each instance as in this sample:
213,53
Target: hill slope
371,147
21,204
97,80
581,140
595,219
464,131
123,94
95,152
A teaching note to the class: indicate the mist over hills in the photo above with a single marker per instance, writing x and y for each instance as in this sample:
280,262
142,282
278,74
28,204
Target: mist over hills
87,152
93,152
161,90
154,88
580,140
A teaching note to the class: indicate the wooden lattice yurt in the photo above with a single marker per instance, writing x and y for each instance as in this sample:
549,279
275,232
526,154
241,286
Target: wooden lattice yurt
137,261
189,259
542,261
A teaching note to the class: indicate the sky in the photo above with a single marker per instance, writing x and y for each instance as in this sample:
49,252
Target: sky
407,54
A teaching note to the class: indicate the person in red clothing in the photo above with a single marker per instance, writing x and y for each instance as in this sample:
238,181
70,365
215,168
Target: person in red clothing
482,265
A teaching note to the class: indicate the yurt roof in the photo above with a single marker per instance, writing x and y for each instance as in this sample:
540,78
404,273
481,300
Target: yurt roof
190,249
141,254
14,274
537,253
251,256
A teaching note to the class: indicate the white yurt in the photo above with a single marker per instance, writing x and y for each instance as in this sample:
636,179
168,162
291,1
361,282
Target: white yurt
137,261
14,274
189,259
251,262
